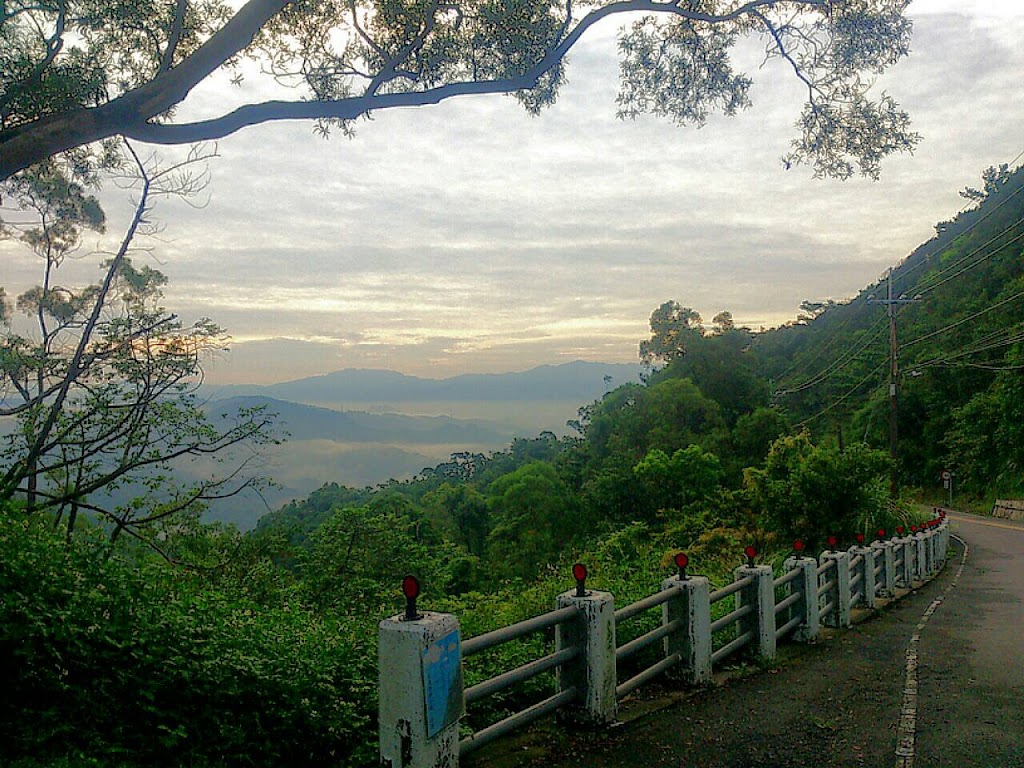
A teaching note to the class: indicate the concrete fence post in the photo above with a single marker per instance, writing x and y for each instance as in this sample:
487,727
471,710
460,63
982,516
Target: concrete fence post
593,671
905,577
920,556
761,594
807,586
941,544
693,641
866,569
885,554
929,553
839,595
933,552
420,690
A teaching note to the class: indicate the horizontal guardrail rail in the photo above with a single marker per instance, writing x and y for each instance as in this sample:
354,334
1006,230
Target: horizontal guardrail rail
646,640
519,629
519,674
423,699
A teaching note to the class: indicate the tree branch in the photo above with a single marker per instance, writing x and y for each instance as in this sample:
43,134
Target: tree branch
174,37
130,114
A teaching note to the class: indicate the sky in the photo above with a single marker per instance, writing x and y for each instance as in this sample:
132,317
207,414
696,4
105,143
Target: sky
473,237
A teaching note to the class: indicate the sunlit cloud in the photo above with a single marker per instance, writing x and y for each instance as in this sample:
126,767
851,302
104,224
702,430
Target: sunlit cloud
472,237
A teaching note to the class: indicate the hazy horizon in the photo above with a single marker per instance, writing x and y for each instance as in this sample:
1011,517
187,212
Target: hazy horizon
471,237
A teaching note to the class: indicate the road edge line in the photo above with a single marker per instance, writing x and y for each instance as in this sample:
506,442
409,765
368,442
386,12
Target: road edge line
906,733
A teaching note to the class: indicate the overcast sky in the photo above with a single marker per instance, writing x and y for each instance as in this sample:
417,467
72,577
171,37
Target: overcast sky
471,237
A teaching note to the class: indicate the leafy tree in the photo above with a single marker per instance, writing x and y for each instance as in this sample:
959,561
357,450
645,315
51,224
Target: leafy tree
748,442
986,441
633,419
723,322
463,510
674,329
725,370
101,391
535,520
690,476
810,491
993,180
124,660
74,73
359,555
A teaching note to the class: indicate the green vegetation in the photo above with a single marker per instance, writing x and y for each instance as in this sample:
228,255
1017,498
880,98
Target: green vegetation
73,74
230,650
961,341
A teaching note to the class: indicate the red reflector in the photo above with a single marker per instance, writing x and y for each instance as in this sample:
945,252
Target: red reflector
798,546
900,529
579,572
411,587
750,552
913,528
860,538
682,560
832,541
881,533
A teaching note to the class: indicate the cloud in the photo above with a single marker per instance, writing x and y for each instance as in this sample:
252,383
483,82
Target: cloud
471,236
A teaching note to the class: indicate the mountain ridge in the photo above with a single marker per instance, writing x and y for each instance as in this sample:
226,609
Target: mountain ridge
579,380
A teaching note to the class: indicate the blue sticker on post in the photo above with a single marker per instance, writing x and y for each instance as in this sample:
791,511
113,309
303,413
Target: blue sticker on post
442,683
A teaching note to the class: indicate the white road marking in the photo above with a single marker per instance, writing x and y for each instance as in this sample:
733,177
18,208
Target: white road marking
906,733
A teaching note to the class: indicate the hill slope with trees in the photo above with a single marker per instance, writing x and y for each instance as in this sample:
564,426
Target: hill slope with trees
733,438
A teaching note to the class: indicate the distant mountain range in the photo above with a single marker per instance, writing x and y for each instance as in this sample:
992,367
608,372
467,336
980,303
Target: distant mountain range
308,422
578,381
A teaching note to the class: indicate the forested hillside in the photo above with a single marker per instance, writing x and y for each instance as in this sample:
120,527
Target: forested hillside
208,647
959,339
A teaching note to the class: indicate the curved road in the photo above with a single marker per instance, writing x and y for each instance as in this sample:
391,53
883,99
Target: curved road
838,703
972,687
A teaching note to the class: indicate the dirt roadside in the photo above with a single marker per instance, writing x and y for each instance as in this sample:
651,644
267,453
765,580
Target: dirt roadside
836,703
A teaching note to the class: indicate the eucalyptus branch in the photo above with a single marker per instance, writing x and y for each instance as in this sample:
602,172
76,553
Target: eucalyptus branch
177,26
11,478
135,112
390,69
54,45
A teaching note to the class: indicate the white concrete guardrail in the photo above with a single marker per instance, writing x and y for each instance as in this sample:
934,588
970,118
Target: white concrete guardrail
420,655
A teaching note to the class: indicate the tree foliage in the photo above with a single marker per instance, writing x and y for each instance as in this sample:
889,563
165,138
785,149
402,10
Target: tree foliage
811,491
100,383
73,73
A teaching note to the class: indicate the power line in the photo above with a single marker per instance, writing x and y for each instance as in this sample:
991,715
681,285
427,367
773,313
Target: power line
904,271
928,285
844,360
988,256
822,375
835,403
967,319
806,362
983,345
839,364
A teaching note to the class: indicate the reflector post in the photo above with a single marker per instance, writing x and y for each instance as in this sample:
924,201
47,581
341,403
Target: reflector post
411,590
682,560
579,572
751,553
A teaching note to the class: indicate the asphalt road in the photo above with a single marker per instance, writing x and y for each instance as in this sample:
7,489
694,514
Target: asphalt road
972,679
839,702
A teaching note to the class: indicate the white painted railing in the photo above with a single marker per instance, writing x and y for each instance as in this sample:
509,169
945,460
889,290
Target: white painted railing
422,699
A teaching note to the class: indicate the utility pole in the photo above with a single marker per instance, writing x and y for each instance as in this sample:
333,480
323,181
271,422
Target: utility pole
890,303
